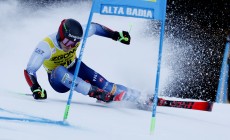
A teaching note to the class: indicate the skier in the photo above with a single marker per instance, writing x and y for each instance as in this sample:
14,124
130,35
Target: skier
57,53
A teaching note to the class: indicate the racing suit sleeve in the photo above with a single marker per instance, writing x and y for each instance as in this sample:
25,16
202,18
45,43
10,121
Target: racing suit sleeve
101,30
41,52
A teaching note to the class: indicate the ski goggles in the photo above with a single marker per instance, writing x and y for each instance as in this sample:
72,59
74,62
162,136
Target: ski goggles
69,43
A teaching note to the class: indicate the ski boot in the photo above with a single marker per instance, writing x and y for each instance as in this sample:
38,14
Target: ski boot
100,94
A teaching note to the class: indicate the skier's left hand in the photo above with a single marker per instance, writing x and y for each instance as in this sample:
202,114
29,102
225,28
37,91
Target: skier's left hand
39,94
123,37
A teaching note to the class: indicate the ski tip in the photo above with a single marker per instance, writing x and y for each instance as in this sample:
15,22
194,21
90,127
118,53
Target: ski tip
203,106
210,106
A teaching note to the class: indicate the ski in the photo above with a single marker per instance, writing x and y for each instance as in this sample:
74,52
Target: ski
195,105
147,105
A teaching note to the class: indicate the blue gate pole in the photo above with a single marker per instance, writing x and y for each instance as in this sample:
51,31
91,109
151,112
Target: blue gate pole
155,100
78,65
222,85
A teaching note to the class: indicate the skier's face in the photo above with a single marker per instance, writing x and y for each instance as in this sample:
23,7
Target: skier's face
65,48
67,44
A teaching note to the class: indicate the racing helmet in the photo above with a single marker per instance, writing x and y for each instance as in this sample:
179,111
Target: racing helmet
70,29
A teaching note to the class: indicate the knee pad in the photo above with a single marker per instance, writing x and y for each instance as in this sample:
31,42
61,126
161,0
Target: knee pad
58,73
62,77
55,79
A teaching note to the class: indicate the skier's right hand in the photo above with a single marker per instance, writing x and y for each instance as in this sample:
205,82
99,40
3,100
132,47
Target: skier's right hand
39,94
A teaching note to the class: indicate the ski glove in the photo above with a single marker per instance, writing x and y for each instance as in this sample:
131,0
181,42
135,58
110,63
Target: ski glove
39,94
123,37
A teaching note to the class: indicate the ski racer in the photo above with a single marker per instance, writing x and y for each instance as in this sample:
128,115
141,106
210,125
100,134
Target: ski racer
57,53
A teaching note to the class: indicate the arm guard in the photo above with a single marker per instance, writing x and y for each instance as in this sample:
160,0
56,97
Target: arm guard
31,80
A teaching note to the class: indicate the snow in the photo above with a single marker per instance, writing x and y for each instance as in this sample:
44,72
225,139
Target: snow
22,117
